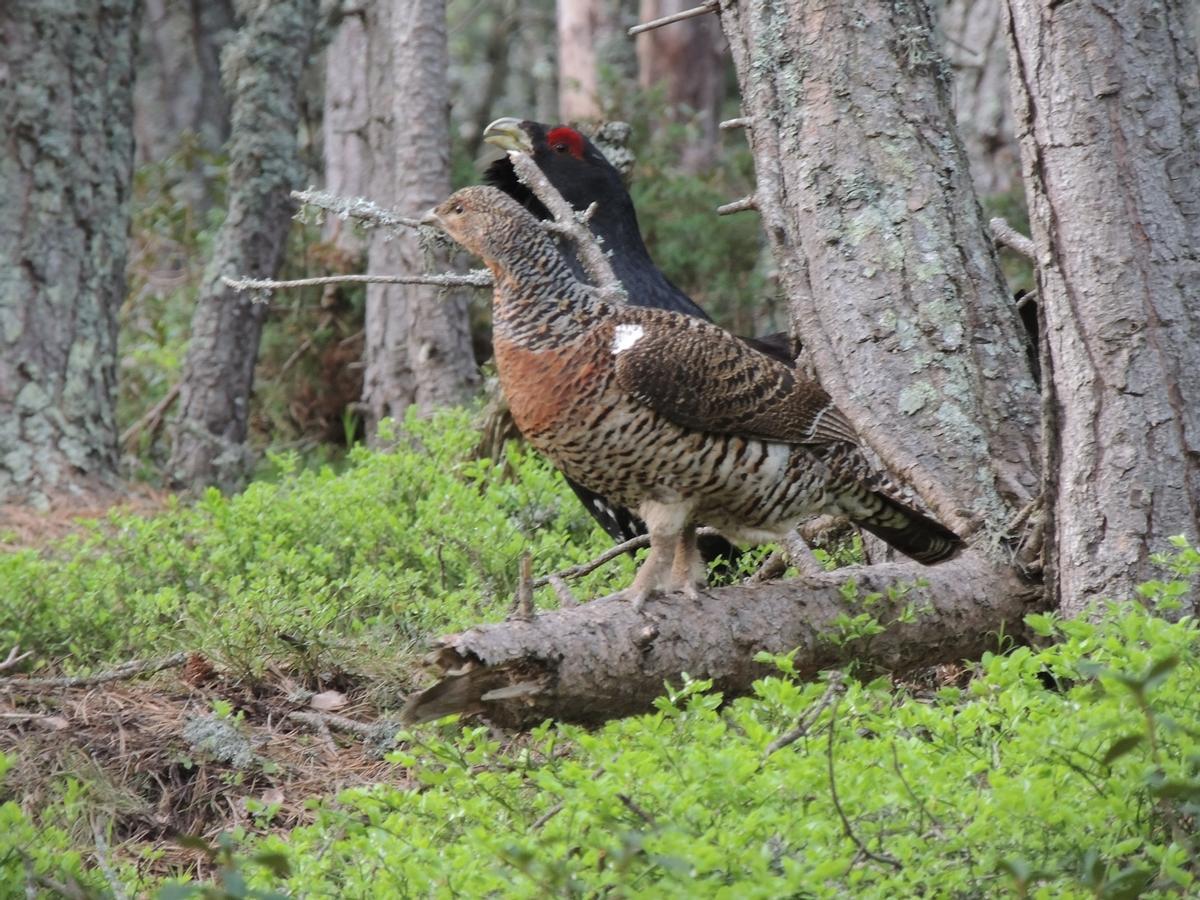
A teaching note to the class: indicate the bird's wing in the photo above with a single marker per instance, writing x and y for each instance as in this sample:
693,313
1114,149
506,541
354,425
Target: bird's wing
703,378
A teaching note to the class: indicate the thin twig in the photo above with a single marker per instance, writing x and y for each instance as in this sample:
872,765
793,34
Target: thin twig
846,827
809,718
908,787
578,571
546,816
633,807
105,866
322,728
1007,236
477,278
572,224
14,657
703,9
120,673
739,122
151,418
747,202
356,208
341,723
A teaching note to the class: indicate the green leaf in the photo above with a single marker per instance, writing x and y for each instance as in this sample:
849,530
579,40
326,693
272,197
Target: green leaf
1120,747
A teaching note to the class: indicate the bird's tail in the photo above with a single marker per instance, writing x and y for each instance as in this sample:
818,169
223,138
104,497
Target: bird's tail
912,533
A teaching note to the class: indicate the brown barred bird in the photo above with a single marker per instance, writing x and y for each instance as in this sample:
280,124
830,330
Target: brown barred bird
667,414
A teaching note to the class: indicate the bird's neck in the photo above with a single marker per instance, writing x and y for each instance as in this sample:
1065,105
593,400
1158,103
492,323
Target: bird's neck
538,302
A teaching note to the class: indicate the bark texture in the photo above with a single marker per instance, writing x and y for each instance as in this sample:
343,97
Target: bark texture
591,39
66,157
345,125
178,89
602,660
975,38
896,293
687,62
262,68
1108,114
418,342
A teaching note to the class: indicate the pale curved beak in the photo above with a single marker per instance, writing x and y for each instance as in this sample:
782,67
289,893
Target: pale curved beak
430,217
507,134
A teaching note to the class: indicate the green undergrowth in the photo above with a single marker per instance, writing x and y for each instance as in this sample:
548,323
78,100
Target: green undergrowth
1067,772
310,569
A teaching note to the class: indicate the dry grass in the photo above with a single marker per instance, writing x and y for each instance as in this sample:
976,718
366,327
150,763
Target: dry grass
125,743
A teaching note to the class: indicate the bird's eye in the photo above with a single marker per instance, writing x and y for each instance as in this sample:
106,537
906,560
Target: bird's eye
560,147
458,208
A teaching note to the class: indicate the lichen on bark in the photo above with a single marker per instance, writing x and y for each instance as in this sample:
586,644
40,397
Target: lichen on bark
66,156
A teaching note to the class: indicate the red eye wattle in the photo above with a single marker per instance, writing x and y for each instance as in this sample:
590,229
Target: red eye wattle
566,140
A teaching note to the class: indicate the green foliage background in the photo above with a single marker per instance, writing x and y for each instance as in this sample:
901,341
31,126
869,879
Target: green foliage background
1067,771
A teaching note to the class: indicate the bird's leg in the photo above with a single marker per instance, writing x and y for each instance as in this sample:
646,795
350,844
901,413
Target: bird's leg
687,569
665,522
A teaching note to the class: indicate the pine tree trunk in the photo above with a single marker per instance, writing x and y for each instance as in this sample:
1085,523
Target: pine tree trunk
977,49
688,62
178,89
345,125
896,293
263,68
66,157
591,39
1108,114
418,342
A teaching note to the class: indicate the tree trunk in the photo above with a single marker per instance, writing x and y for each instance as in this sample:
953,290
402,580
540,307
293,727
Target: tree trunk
602,659
178,89
977,50
688,61
418,342
346,125
66,158
865,193
263,68
591,40
896,293
1108,114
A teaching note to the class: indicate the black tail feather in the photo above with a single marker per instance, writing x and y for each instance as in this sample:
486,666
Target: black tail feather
912,533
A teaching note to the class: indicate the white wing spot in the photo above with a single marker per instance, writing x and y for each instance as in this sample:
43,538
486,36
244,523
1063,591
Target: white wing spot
625,336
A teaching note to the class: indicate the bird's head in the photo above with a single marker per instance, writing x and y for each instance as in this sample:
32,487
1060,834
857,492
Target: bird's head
570,161
491,225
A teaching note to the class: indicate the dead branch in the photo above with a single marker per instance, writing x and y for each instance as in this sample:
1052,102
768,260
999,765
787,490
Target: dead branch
837,805
14,657
747,202
571,224
151,419
120,673
359,208
703,9
547,816
602,659
478,278
1007,236
806,721
738,122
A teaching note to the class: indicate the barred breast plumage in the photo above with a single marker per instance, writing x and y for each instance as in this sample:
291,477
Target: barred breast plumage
666,414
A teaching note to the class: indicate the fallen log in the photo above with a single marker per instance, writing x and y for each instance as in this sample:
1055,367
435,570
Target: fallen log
602,660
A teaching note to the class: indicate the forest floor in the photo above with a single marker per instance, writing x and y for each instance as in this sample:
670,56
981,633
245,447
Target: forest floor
165,757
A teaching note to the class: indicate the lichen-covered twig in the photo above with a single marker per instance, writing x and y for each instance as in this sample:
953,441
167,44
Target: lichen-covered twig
571,224
121,672
703,9
745,203
359,208
477,278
